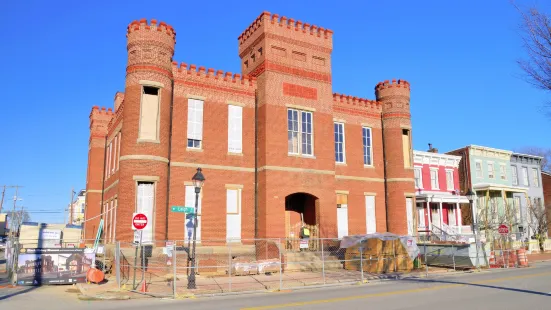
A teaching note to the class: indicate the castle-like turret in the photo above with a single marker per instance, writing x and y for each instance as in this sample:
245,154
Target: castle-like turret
398,155
146,114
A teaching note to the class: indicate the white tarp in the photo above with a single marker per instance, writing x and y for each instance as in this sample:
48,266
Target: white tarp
407,241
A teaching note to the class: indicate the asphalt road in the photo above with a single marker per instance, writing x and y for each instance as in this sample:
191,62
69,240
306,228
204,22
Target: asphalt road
528,288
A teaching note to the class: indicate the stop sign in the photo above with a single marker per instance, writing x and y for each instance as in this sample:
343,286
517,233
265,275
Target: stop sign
503,229
139,221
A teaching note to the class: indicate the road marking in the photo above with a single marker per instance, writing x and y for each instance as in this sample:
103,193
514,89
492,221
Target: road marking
409,291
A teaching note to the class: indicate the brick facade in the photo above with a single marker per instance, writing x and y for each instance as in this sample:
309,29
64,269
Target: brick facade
546,184
286,64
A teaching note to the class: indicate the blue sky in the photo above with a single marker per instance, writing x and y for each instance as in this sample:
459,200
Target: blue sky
62,57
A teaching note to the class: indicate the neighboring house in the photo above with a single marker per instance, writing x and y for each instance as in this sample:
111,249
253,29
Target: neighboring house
526,173
487,171
278,149
78,209
546,181
438,196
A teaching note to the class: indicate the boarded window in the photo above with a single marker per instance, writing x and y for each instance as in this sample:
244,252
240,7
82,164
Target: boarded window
233,214
149,114
406,145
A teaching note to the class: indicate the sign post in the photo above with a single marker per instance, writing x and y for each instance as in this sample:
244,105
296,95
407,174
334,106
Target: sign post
139,222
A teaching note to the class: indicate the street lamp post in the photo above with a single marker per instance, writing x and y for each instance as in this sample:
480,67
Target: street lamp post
471,196
198,180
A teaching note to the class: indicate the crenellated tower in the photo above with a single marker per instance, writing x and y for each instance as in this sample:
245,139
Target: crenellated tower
146,116
394,97
99,120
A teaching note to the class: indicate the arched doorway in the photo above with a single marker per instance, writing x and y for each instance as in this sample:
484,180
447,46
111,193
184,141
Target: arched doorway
301,209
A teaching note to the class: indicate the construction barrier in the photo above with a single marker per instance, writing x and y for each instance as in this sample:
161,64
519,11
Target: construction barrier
522,258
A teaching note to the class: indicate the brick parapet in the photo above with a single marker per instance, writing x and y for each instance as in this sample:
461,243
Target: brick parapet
214,79
287,27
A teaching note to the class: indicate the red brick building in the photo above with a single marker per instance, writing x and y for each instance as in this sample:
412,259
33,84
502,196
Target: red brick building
546,184
274,142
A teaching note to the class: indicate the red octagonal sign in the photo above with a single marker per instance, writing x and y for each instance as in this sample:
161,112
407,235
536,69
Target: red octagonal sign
503,229
139,221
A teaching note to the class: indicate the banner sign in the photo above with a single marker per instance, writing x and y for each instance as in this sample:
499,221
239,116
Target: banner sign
53,266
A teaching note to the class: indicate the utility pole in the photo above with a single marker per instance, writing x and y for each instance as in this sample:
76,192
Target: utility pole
2,200
71,206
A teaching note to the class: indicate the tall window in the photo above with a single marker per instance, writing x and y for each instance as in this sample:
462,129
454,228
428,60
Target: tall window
235,129
145,203
339,142
299,132
478,169
535,177
491,174
418,177
514,173
195,123
149,114
434,178
525,176
449,180
406,147
366,137
502,172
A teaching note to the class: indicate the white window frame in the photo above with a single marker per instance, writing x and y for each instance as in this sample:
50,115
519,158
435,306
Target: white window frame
193,136
492,173
114,164
336,127
420,170
525,176
503,172
234,213
367,149
479,172
450,180
514,174
369,229
300,115
235,129
151,217
535,177
108,170
436,178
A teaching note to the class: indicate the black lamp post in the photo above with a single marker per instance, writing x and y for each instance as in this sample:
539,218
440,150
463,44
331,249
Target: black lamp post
198,180
471,196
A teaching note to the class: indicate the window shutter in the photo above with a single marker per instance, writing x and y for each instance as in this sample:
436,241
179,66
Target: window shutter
235,131
195,119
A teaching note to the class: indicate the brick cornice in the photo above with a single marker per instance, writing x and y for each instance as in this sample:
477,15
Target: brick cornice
214,87
356,112
137,68
396,115
274,67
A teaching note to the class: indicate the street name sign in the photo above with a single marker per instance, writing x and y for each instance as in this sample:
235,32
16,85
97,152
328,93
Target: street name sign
182,209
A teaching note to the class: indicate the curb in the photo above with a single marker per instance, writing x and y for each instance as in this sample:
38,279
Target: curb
101,297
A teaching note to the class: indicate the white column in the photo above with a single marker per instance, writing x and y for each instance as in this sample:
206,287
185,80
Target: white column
441,216
459,221
429,216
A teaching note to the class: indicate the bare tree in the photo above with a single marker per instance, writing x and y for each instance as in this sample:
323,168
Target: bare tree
538,151
536,29
538,221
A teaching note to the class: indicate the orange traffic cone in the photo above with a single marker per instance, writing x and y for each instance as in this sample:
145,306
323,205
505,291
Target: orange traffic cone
144,287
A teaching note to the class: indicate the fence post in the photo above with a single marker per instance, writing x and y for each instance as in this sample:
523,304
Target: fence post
426,262
280,267
174,270
104,256
394,254
229,266
453,257
362,264
322,262
118,263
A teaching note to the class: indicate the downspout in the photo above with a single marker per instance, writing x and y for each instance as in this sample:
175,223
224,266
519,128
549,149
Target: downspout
169,159
103,184
255,164
384,170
